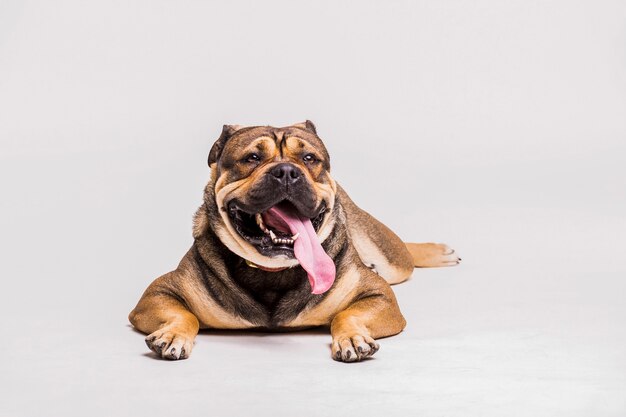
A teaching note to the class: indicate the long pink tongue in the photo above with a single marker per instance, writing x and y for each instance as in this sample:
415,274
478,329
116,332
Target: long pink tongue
307,247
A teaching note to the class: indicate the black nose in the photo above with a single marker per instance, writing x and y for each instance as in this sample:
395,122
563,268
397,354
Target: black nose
286,173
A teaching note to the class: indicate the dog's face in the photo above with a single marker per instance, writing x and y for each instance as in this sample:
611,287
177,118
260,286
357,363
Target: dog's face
274,192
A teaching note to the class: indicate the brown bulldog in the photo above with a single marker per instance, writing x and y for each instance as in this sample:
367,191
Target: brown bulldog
280,246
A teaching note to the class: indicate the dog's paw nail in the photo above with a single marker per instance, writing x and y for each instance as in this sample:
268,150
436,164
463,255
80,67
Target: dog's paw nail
170,345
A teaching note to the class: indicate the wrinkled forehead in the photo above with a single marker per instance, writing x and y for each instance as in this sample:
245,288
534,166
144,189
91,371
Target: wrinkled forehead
281,137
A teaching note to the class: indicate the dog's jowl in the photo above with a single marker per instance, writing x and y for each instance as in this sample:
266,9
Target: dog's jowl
279,245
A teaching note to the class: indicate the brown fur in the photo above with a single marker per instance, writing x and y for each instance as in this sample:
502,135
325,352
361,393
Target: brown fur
214,287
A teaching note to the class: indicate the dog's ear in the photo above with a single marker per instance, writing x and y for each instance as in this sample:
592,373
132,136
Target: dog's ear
218,146
307,125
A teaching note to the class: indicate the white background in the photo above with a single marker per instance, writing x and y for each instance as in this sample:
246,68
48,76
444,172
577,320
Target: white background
495,126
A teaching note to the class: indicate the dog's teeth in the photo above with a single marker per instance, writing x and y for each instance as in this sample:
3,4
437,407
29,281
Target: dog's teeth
279,240
294,237
259,221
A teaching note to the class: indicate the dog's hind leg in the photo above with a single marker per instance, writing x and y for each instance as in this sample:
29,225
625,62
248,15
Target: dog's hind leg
378,247
427,255
170,326
383,251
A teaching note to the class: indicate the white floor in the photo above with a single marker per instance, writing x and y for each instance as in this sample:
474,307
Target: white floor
532,324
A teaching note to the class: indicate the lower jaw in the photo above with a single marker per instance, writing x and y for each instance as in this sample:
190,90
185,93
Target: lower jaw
249,252
271,256
268,249
276,253
267,263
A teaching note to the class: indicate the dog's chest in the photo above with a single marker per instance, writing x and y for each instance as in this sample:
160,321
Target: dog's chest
281,296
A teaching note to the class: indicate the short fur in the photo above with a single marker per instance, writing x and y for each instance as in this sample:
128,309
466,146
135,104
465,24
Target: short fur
214,287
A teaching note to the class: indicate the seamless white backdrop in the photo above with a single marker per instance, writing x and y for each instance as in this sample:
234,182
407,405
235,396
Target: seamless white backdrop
495,126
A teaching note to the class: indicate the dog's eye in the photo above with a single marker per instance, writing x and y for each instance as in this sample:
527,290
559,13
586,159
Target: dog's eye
309,158
253,158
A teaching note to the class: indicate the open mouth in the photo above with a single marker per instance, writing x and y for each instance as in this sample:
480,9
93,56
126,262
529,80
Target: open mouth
283,230
266,232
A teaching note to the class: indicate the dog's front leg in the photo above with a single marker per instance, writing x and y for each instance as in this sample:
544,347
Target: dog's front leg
170,326
355,329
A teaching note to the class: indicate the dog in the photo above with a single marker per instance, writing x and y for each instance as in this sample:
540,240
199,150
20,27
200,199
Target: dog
279,246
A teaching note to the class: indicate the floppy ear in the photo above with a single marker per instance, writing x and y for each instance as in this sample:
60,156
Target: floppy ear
307,125
218,146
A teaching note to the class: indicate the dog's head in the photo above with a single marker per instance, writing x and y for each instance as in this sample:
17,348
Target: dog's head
275,196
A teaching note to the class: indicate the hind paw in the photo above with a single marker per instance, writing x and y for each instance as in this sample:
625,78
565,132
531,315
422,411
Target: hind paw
430,255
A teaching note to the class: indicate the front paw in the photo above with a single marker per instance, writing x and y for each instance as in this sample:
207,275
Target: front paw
170,344
353,348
